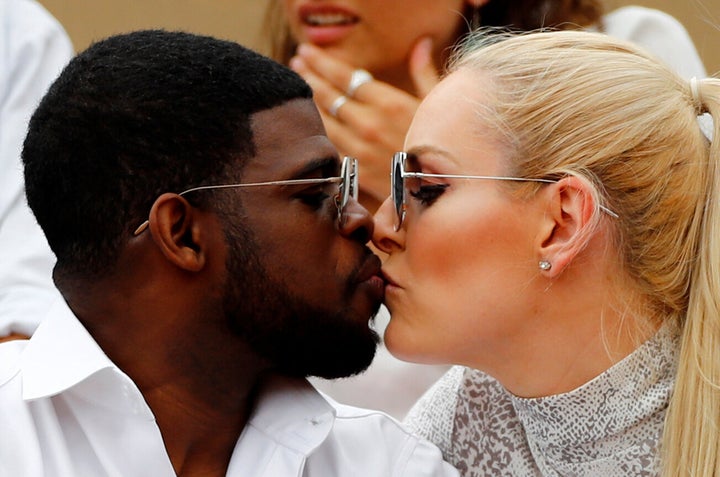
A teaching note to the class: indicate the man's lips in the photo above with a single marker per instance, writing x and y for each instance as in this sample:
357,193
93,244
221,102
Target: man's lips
369,277
370,268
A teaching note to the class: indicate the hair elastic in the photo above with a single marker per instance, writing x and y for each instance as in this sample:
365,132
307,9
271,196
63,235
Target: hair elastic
696,95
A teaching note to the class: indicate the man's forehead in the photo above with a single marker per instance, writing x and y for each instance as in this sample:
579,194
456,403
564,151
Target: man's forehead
289,139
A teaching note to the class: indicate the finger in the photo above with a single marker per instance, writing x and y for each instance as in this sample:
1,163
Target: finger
335,71
13,336
422,67
324,92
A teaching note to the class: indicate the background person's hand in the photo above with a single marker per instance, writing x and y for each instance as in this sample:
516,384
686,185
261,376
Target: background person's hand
13,336
370,125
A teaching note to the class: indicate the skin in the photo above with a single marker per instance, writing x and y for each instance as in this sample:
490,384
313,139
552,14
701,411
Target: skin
180,272
13,336
464,285
401,48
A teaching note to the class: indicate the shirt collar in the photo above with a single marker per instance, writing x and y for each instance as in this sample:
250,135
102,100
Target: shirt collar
62,355
293,412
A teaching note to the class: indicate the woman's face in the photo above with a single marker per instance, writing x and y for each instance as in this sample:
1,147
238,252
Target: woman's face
460,269
374,34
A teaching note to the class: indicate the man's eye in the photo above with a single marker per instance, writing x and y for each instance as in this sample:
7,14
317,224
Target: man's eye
315,198
428,194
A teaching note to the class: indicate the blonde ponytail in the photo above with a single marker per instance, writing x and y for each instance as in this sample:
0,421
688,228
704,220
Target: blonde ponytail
691,442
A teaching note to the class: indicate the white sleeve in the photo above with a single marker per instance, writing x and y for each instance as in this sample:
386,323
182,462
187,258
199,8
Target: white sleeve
33,50
660,34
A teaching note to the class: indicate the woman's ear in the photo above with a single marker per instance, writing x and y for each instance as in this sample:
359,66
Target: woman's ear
176,232
567,226
476,3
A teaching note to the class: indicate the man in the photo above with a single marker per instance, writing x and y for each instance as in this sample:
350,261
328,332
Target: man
210,255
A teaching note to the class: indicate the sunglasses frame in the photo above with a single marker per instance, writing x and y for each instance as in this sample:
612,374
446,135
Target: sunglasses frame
397,185
348,175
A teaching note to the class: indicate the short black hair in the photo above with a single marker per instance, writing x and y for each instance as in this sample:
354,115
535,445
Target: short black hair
132,117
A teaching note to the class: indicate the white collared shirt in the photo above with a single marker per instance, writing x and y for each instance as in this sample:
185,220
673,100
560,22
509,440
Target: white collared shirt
66,410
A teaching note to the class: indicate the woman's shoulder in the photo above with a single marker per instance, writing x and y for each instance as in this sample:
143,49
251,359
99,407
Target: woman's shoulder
437,412
432,415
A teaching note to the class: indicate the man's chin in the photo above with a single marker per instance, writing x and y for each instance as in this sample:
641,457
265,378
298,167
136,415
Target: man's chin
338,358
350,369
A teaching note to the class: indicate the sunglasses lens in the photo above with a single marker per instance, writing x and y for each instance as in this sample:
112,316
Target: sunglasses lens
398,187
348,186
353,179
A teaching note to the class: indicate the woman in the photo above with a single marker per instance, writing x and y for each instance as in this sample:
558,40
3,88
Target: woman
332,42
553,230
400,46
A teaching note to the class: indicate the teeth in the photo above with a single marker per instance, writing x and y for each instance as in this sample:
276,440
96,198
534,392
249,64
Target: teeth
324,19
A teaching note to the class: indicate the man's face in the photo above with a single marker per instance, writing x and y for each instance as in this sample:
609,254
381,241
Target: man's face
301,288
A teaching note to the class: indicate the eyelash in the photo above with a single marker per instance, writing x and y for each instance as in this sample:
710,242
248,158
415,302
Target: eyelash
314,199
428,194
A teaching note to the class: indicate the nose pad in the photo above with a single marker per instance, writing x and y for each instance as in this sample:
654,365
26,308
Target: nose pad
356,222
338,206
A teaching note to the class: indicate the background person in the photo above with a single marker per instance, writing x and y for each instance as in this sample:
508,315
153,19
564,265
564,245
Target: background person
559,204
33,49
210,254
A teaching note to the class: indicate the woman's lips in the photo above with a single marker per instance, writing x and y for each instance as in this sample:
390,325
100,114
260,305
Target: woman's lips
390,284
388,279
324,24
320,19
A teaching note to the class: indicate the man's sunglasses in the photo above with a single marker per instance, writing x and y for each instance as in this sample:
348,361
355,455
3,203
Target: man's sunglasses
348,187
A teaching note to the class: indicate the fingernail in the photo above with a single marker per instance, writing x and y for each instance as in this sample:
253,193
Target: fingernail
296,63
425,45
303,49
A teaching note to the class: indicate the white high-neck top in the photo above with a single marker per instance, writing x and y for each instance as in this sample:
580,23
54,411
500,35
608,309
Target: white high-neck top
610,426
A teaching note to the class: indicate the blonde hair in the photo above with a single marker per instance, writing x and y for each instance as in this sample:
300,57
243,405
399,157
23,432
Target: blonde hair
601,109
279,43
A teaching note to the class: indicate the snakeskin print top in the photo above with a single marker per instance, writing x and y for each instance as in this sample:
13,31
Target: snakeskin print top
610,426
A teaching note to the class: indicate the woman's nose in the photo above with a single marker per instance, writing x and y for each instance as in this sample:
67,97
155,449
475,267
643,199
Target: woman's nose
385,237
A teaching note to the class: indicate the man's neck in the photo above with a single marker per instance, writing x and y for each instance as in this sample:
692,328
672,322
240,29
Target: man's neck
199,435
198,378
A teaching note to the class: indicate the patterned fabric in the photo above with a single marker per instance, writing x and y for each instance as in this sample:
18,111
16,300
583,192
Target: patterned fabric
610,426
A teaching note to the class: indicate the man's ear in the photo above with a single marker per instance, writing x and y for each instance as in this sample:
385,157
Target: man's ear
567,225
175,230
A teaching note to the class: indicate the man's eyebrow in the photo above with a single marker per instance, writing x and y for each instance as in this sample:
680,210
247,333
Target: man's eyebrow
328,166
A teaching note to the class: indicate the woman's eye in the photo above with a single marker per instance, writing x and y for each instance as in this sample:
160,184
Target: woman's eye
428,194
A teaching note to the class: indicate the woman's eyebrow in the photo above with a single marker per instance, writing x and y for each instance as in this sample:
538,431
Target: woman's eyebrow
424,154
416,151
